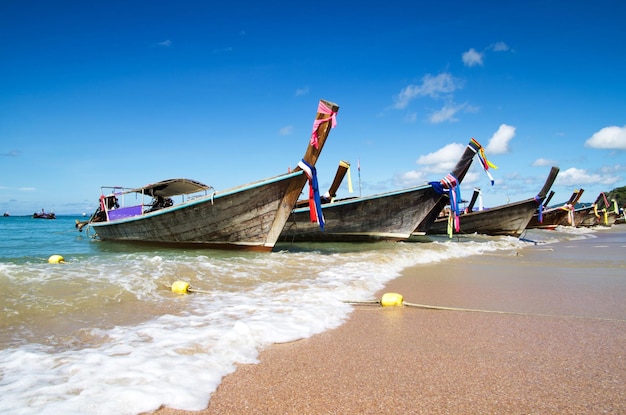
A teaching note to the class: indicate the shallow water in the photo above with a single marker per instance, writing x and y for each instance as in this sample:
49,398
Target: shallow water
103,332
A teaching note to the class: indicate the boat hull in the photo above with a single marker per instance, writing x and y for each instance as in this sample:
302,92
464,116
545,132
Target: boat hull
550,219
608,219
385,217
43,216
241,218
587,217
510,219
584,217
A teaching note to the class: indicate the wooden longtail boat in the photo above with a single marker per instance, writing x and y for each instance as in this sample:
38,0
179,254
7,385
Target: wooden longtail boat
44,215
609,213
570,219
560,215
510,219
609,219
390,216
601,213
585,216
248,217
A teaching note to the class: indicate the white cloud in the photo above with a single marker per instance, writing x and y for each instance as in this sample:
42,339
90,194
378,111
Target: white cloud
499,142
439,162
166,43
431,86
286,130
410,178
443,159
472,178
574,176
577,177
302,91
472,58
499,47
608,138
543,162
614,169
446,113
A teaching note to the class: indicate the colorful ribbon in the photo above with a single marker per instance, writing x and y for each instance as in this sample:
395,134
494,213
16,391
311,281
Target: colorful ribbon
606,209
540,203
570,216
483,159
449,184
350,190
323,109
315,202
570,212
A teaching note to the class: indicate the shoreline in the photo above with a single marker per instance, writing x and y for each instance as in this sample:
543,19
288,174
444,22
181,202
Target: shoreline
559,350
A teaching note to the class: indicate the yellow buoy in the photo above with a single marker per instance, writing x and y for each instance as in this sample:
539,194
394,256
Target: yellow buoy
180,287
391,299
56,259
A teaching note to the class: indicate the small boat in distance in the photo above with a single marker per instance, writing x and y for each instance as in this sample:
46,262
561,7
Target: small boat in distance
6,214
187,213
43,215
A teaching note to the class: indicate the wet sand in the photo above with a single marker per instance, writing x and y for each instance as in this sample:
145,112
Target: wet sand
556,345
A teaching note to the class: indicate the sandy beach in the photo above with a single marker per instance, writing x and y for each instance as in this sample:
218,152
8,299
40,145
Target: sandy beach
540,331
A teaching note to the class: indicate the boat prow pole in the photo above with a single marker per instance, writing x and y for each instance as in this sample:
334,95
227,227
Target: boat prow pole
554,171
324,121
339,175
579,194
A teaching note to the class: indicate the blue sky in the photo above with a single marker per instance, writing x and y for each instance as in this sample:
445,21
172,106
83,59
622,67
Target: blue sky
129,93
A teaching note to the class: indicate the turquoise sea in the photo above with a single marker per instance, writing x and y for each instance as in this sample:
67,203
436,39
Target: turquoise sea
103,333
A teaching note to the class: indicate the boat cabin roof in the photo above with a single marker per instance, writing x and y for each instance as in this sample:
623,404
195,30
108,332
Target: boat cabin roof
172,187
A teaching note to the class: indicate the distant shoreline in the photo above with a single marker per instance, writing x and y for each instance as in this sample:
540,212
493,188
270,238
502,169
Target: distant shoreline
66,215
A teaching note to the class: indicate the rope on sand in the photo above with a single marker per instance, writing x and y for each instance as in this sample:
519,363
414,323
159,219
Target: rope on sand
394,299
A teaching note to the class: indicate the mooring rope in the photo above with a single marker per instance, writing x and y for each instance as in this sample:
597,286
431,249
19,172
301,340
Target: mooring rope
394,299
474,310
